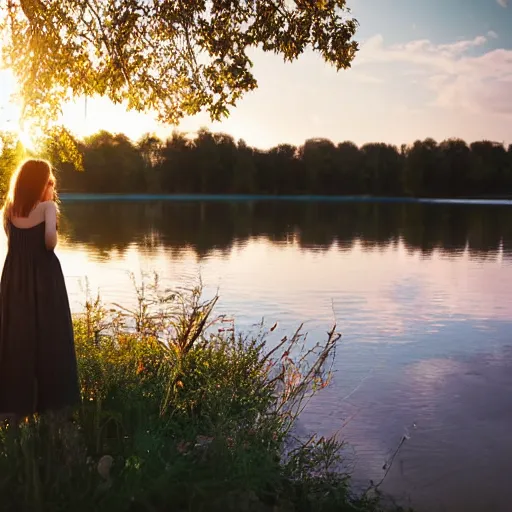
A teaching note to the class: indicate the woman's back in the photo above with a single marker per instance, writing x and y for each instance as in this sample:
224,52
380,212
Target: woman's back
42,219
35,217
26,243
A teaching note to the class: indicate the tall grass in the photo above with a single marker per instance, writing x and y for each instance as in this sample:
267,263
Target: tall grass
178,413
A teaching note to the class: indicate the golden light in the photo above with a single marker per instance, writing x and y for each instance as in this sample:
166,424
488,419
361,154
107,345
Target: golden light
27,139
11,119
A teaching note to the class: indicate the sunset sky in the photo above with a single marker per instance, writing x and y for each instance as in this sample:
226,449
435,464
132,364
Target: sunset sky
441,68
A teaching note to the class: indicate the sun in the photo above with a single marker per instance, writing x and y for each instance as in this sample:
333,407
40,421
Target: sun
27,141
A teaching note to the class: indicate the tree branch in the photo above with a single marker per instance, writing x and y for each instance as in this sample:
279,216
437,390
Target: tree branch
191,53
112,52
28,8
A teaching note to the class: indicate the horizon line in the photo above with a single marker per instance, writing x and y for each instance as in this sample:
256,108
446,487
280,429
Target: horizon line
110,196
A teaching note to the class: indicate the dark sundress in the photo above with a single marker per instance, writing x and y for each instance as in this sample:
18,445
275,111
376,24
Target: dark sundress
38,370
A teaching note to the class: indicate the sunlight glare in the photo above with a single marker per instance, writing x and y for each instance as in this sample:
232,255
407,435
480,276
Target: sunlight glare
27,140
10,120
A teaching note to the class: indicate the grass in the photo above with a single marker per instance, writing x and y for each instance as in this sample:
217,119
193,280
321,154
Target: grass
179,413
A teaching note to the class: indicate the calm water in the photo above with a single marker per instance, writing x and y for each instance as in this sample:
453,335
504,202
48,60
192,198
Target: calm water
422,294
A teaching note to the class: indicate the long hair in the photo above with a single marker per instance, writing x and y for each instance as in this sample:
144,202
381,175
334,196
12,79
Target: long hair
26,188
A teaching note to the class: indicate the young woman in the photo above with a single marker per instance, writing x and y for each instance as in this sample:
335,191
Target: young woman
38,371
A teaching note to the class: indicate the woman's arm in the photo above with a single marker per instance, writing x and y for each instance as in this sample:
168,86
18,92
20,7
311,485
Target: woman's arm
5,218
50,230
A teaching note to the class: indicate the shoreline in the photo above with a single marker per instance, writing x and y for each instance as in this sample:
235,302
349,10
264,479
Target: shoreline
74,197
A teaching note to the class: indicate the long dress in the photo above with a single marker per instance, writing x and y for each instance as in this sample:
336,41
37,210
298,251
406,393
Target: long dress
38,369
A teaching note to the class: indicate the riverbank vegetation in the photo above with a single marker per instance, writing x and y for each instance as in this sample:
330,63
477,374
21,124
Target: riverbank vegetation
179,412
214,163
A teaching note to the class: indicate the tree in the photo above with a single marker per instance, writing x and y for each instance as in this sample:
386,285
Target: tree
422,175
60,147
455,166
174,169
382,168
489,173
150,149
114,164
350,177
213,163
172,57
244,169
11,154
319,162
214,157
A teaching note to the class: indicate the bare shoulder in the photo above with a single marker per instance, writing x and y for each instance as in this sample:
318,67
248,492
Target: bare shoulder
48,206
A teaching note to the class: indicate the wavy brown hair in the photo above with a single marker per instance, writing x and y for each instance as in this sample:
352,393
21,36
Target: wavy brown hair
26,188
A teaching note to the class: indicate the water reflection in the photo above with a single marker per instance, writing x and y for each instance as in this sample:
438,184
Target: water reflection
460,442
455,409
450,229
420,292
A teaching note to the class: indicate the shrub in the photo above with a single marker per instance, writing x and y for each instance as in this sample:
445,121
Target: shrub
178,413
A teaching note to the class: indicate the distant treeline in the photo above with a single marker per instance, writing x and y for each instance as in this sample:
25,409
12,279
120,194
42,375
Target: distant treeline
214,163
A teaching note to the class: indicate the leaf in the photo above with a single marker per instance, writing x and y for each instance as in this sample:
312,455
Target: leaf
170,58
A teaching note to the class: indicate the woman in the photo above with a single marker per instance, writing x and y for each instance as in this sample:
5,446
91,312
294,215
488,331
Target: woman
38,369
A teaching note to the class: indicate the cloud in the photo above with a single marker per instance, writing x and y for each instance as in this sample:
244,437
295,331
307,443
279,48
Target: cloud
503,3
366,78
456,75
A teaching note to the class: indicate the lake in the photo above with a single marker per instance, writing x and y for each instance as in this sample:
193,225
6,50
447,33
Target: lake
421,292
